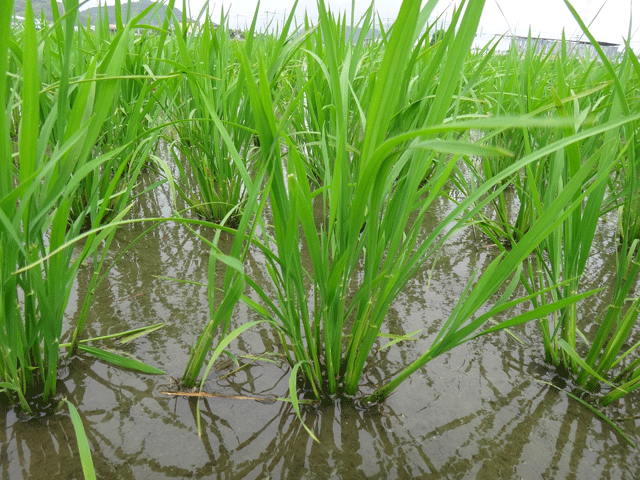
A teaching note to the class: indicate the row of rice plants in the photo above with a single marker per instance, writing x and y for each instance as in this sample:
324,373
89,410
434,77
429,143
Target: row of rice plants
63,192
210,90
383,148
56,158
594,92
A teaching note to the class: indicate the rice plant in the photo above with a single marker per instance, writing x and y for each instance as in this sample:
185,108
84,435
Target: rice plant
606,351
212,91
40,249
374,192
590,96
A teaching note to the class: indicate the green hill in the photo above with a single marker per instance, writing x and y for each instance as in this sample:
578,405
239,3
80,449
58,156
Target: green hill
156,16
40,7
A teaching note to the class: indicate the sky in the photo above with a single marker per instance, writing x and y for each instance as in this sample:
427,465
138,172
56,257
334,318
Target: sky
609,19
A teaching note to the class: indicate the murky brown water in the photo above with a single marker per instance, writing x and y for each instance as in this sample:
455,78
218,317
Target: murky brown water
479,412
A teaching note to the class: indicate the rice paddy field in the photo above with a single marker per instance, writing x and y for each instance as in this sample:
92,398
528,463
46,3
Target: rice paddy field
311,254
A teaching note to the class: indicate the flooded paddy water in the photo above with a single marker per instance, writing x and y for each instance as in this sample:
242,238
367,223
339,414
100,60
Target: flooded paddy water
481,411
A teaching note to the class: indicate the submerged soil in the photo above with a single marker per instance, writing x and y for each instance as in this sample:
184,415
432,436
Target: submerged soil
482,411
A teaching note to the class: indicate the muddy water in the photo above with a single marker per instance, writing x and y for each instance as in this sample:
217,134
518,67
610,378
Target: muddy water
481,411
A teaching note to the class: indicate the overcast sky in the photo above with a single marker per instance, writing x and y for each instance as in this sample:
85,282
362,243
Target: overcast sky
609,18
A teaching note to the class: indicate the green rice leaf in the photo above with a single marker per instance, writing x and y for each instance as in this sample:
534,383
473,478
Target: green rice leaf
293,395
397,338
576,358
30,119
83,443
120,360
130,335
223,343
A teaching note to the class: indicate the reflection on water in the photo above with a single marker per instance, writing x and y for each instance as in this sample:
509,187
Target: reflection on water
478,412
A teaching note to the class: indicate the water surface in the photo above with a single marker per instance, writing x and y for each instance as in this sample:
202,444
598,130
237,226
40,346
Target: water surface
481,411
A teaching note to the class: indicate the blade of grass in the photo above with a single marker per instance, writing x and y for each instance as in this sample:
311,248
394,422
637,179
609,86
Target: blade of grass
83,443
121,361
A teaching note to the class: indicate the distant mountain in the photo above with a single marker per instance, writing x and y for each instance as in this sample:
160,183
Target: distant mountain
371,34
154,17
40,7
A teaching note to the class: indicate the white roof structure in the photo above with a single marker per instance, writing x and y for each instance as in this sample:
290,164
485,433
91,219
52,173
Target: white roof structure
608,20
